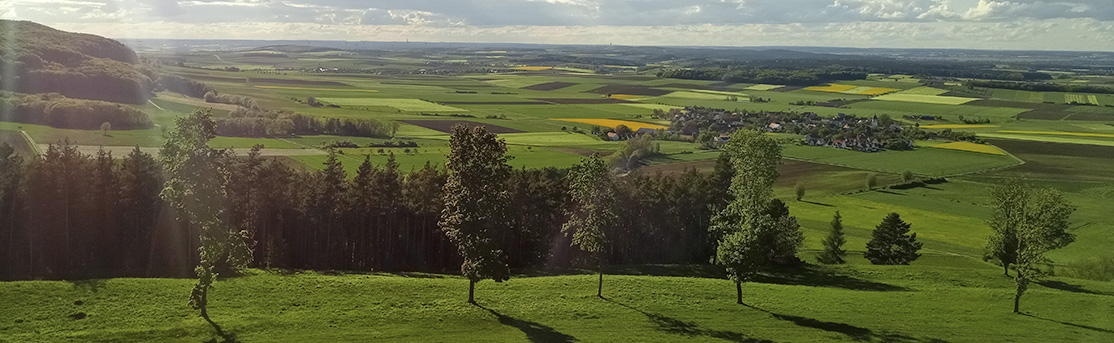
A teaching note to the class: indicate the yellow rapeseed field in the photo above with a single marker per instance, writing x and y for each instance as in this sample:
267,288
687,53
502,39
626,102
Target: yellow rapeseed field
955,126
835,88
968,146
626,96
534,68
633,125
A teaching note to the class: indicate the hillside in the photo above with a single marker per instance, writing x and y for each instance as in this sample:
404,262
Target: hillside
918,303
38,59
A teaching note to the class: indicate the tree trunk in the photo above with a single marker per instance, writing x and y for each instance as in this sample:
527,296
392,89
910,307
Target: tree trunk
472,292
739,293
599,291
1017,303
1006,268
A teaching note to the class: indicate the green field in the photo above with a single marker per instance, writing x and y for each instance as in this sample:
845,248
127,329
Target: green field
925,98
923,161
402,104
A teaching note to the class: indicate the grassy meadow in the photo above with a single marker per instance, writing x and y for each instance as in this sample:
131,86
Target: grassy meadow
949,295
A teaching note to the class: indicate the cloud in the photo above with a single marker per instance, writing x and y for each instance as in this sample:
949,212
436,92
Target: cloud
506,18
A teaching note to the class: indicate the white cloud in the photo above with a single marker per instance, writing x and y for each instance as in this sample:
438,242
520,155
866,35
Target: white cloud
699,22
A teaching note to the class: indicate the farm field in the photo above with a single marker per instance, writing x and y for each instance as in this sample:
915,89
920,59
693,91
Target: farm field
925,98
968,146
401,104
930,162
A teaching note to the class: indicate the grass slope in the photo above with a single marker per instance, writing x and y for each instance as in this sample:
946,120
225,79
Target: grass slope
923,303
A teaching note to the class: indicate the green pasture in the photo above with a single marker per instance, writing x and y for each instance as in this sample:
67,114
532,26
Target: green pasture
930,301
931,162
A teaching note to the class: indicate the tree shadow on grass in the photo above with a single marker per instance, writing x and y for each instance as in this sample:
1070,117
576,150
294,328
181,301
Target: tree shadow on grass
679,327
1081,326
809,275
1063,286
855,333
817,203
535,332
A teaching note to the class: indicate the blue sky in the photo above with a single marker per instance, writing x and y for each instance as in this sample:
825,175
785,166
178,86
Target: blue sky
982,24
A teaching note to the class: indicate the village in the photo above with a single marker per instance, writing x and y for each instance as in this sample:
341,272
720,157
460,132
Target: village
866,134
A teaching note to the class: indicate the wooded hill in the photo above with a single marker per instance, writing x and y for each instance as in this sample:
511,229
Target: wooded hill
38,59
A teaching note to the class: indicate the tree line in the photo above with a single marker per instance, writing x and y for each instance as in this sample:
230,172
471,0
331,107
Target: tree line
57,110
71,215
1040,86
381,218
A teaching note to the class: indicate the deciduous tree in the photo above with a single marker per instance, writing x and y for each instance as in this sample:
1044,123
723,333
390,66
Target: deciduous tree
476,201
742,224
1043,229
594,209
195,186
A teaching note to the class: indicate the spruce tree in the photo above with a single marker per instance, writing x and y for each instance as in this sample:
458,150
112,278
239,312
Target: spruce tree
833,244
891,243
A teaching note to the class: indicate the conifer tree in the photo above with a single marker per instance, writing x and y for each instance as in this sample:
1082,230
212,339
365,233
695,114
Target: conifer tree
891,243
833,244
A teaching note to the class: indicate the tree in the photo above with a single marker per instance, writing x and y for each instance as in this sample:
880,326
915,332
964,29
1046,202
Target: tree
833,244
1010,199
594,209
476,201
195,186
743,223
871,181
105,127
623,131
891,243
140,183
1042,230
781,239
906,176
800,190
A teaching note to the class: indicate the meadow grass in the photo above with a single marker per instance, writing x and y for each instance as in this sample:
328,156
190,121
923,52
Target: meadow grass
928,301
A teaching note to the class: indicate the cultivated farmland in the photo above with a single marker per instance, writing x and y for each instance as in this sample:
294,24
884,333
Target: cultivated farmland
414,105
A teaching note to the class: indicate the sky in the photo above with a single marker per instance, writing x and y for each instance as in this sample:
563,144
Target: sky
1086,25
